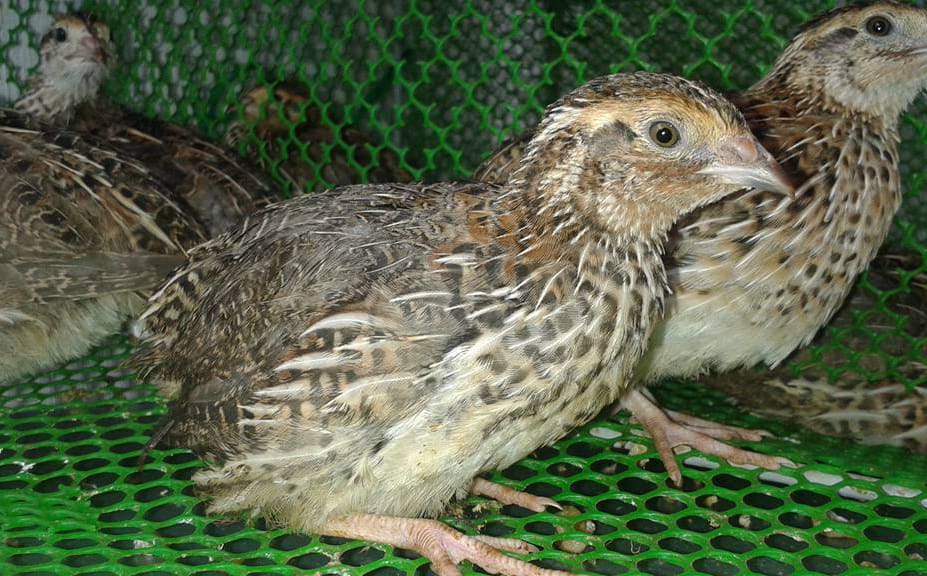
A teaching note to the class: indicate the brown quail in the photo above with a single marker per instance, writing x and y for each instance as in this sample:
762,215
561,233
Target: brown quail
353,359
219,187
756,275
279,127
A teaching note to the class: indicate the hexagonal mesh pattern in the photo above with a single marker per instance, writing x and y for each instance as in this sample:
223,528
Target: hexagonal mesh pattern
441,83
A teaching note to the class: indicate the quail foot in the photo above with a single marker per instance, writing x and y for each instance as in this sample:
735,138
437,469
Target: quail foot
349,361
217,186
282,130
756,275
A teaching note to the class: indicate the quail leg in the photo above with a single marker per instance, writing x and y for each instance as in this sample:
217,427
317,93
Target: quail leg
441,544
671,429
506,495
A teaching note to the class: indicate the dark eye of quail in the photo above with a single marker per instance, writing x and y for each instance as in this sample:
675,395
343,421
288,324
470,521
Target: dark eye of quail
61,34
664,134
878,26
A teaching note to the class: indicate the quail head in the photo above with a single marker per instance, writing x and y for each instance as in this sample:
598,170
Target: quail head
755,276
213,183
278,127
352,359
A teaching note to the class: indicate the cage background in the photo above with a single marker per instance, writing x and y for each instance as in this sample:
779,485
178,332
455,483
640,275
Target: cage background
442,83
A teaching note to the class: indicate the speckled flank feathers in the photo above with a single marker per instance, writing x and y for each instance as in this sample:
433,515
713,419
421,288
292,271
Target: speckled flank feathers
371,349
270,116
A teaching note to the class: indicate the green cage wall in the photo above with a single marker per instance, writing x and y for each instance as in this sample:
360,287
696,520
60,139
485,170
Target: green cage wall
442,83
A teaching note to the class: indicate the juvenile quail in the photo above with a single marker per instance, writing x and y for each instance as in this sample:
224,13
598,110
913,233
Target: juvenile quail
279,125
77,54
755,276
353,359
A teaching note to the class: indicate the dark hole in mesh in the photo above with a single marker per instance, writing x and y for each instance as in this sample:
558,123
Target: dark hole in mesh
603,566
102,409
543,528
589,488
194,560
176,530
665,504
65,424
22,542
615,507
98,480
122,515
180,458
787,543
117,434
10,469
13,485
185,474
199,509
166,512
823,564
385,571
545,453
50,485
543,489
407,554
809,498
224,528
152,493
581,449
916,551
258,561
361,556
729,482
111,421
550,564
130,462
764,501
769,566
872,559
35,438
107,498
126,447
679,545
29,559
654,465
626,546
608,467
186,546
845,516
81,560
6,452
518,472
564,469
73,437
333,540
241,546
90,464
646,526
700,524
796,520
715,503
144,407
25,414
835,539
82,450
889,511
659,567
496,529
749,522
732,544
715,567
883,533
36,453
146,475
47,467
921,526
309,561
74,543
688,484
635,485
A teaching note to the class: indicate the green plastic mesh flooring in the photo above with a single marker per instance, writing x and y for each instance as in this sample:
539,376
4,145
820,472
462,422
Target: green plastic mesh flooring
442,83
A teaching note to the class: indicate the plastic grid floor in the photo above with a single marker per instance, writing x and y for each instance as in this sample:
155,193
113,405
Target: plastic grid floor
74,499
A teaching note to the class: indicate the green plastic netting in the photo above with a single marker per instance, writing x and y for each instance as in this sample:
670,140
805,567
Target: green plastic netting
442,83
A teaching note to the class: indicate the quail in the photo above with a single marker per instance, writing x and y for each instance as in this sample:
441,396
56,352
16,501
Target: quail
755,276
351,360
279,127
217,186
846,391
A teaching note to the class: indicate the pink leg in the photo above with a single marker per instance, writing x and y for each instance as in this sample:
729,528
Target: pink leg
672,429
506,495
441,544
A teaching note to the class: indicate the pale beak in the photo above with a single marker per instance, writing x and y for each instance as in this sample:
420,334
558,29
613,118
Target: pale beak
93,49
743,162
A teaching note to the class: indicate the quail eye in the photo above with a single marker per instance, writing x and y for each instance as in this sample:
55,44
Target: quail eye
61,34
879,26
664,134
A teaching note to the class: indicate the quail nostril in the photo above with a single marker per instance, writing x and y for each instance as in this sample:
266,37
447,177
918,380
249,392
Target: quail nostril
745,148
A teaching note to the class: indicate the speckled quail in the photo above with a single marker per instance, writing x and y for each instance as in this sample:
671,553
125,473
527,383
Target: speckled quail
756,275
354,358
77,54
844,391
280,125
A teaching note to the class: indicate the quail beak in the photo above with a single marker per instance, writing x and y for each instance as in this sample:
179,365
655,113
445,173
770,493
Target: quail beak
93,49
743,162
